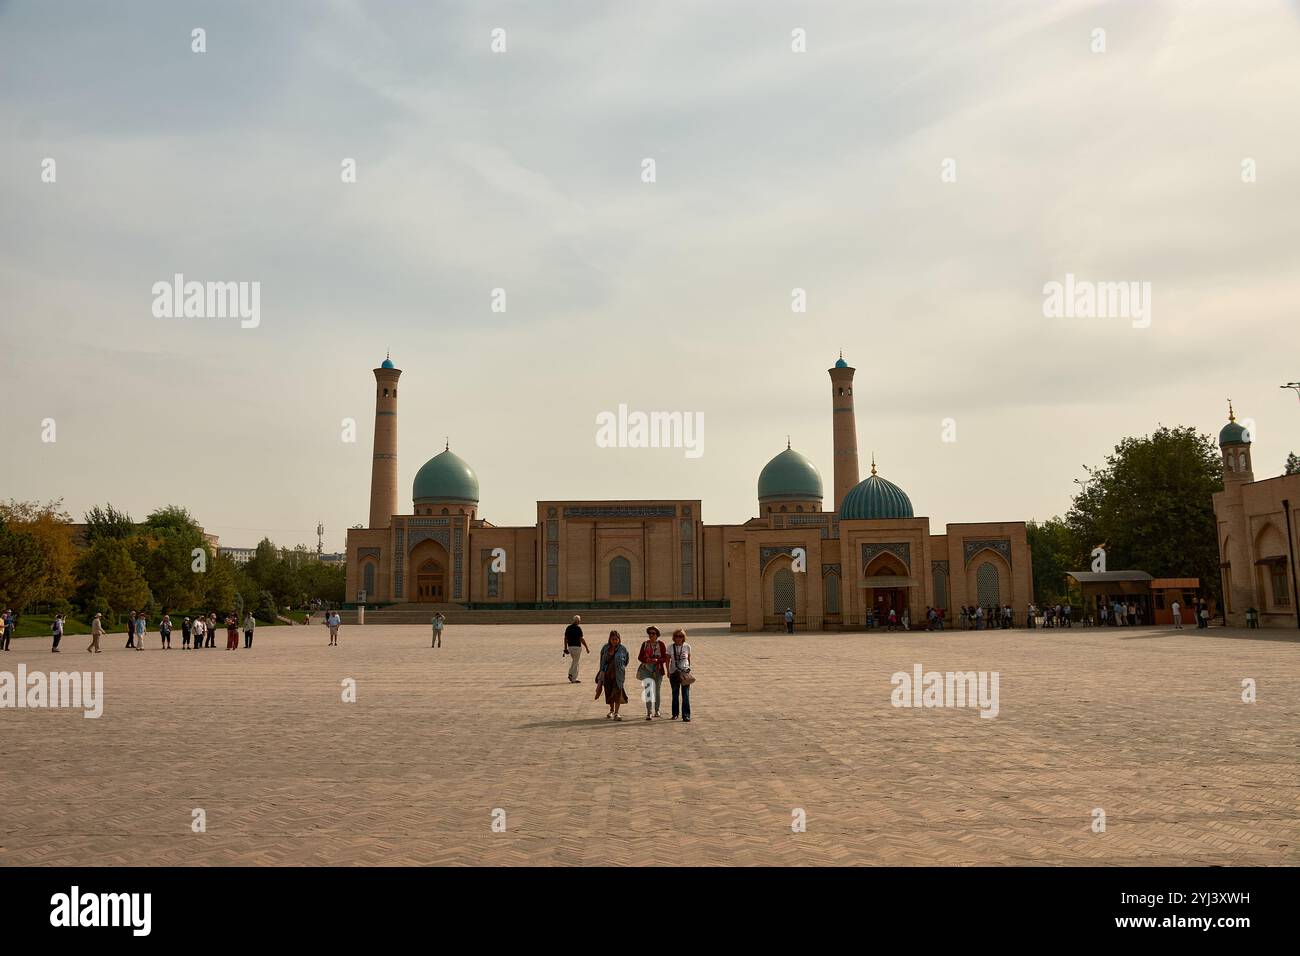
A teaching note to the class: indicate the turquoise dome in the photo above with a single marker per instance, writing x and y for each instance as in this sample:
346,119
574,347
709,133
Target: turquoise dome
445,477
1234,434
387,363
875,498
840,363
789,477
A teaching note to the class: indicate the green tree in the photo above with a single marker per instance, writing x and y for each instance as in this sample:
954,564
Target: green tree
1150,506
219,583
119,585
1054,552
23,568
1292,466
108,522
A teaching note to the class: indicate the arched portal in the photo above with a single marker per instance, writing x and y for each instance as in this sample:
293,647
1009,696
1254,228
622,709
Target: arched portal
431,581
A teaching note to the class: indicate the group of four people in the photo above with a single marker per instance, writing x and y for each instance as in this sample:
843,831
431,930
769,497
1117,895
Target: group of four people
655,659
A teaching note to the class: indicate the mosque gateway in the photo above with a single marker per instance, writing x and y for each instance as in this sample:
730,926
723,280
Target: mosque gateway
869,550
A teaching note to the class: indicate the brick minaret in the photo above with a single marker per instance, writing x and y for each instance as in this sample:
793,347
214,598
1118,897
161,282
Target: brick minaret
383,469
845,430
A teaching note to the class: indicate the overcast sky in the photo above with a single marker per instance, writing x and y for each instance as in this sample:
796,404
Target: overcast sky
522,170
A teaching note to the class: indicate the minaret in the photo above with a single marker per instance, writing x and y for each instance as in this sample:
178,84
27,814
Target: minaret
845,430
383,469
1234,442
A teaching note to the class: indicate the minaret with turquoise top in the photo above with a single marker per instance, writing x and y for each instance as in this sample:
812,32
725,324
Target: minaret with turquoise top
844,430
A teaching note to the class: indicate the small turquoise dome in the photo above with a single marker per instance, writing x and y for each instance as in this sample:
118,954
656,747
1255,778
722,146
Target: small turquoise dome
840,363
875,498
1233,434
445,477
789,476
387,363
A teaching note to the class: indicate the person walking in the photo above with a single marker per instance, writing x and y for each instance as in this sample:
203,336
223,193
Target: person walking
187,628
139,631
789,620
232,632
439,619
653,658
7,632
165,631
130,630
613,671
249,623
1204,616
57,629
212,629
333,620
574,645
679,674
1177,610
96,632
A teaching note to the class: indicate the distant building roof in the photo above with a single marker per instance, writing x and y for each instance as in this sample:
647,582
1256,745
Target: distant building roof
1108,577
1187,584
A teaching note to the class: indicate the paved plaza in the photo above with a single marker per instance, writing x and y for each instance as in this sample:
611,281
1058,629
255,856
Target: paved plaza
1147,725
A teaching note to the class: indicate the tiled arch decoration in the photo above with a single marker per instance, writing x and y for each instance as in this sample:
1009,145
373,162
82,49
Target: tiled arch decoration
899,549
1000,546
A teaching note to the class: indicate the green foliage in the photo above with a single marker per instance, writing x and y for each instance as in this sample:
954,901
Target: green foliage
1150,507
108,522
23,568
118,586
1292,466
1054,552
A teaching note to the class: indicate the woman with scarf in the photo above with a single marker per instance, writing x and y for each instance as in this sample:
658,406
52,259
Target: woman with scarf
613,670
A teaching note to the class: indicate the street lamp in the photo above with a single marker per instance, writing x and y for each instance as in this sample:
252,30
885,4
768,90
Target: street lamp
1295,385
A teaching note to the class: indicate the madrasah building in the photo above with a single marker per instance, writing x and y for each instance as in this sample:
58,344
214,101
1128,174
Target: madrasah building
869,550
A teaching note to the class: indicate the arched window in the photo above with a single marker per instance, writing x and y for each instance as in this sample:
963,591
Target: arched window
493,579
986,584
445,511
620,577
783,509
941,587
368,578
782,591
831,586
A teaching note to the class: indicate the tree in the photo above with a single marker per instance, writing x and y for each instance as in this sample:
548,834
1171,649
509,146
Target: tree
108,522
218,584
51,526
172,521
23,569
1054,552
1150,506
118,586
1292,466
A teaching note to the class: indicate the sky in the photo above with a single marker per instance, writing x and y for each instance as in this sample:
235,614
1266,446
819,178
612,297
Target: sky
921,170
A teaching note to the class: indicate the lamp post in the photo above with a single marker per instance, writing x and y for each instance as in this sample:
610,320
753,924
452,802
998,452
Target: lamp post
1293,385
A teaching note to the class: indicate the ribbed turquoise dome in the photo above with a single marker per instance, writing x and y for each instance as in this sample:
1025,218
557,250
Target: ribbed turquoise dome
387,363
840,363
875,498
445,477
1233,434
789,477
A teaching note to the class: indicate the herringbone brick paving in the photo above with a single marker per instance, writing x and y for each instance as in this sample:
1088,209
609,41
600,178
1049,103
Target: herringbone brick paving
1148,725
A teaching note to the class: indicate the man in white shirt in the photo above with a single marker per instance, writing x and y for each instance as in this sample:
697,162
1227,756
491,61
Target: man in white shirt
1178,615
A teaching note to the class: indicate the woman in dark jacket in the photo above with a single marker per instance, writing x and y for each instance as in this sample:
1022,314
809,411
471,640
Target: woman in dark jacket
613,670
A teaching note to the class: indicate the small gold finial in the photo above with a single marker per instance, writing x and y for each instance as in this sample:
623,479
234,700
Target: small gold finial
1232,417
873,462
